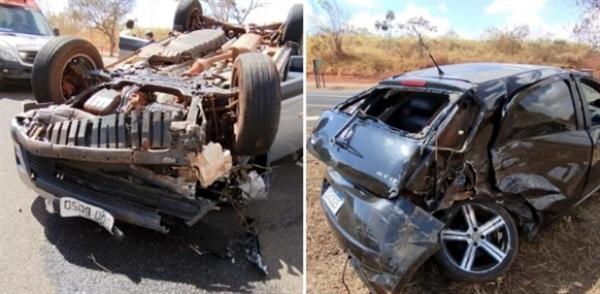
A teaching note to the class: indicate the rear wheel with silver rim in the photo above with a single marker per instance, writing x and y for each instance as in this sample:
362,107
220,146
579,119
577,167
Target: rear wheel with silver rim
479,242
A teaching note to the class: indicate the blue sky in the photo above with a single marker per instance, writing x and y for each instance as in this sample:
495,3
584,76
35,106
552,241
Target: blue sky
467,17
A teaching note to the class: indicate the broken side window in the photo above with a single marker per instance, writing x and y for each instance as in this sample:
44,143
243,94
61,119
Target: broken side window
591,92
546,110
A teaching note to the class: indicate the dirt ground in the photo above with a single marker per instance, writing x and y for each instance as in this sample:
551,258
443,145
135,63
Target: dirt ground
563,258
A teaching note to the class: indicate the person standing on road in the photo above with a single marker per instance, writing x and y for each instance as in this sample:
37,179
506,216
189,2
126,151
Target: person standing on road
128,31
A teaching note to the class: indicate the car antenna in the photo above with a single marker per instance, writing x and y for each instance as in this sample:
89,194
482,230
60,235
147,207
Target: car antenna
440,71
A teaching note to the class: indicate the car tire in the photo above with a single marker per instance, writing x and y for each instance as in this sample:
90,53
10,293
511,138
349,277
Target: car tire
185,13
294,25
50,67
481,252
259,103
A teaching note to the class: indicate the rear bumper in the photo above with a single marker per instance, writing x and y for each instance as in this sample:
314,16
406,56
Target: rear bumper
12,72
388,240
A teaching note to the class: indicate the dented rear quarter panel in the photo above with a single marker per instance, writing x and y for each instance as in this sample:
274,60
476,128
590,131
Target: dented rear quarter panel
536,178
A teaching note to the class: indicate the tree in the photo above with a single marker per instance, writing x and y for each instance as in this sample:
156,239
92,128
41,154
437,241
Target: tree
587,30
101,15
331,24
419,23
507,39
64,21
452,34
387,24
224,10
517,33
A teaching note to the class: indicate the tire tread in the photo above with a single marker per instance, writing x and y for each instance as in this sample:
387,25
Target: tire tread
260,99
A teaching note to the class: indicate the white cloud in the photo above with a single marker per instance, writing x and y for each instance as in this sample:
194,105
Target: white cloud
366,20
466,34
442,7
529,13
515,7
365,3
275,11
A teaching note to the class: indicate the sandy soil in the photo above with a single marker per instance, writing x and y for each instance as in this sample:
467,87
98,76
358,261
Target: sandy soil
563,258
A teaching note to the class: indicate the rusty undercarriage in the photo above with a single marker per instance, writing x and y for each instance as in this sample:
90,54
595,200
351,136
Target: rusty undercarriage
165,135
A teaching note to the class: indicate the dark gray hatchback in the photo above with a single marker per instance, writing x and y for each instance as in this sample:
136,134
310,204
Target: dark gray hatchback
453,164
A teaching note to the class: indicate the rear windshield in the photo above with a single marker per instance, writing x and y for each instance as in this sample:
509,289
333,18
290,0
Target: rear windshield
16,19
409,111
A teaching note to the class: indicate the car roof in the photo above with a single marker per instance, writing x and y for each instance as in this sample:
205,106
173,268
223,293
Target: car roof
467,75
476,73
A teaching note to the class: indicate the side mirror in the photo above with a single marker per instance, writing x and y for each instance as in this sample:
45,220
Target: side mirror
56,32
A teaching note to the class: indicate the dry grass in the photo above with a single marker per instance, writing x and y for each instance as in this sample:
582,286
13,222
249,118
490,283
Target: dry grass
68,28
563,258
377,57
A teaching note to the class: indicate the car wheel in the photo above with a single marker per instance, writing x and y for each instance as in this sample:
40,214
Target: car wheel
293,28
258,103
59,69
479,242
187,15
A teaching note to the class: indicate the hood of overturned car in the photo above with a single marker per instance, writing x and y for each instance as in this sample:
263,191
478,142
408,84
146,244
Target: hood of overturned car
353,146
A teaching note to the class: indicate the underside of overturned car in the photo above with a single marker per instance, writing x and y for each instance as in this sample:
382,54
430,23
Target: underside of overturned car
168,133
451,162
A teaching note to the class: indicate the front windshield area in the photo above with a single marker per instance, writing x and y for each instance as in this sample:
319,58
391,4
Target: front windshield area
15,19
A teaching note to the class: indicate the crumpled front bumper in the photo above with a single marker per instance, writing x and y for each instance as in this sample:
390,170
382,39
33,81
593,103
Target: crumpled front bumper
127,202
387,239
52,190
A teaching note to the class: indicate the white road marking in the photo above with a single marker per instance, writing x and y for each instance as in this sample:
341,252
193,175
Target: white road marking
320,105
312,118
314,95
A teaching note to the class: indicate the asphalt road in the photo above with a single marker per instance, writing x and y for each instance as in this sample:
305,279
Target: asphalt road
43,253
318,101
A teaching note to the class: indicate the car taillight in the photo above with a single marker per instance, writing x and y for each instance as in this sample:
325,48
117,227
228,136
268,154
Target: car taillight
413,83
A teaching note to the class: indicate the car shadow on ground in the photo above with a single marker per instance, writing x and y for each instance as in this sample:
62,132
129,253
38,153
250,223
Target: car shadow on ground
146,254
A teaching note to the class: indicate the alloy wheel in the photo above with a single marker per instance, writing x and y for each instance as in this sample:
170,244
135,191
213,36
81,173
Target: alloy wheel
476,239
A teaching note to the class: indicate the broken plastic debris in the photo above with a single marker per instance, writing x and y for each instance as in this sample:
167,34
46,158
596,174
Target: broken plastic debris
253,186
253,251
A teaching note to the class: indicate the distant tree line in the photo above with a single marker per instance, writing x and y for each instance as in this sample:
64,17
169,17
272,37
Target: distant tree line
332,23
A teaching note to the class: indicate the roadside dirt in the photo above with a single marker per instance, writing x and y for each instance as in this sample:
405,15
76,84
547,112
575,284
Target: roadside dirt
563,258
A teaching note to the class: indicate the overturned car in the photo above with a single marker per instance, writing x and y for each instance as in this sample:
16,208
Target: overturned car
450,162
169,133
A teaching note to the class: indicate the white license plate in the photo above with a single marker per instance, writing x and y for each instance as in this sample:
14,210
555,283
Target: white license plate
70,207
333,200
